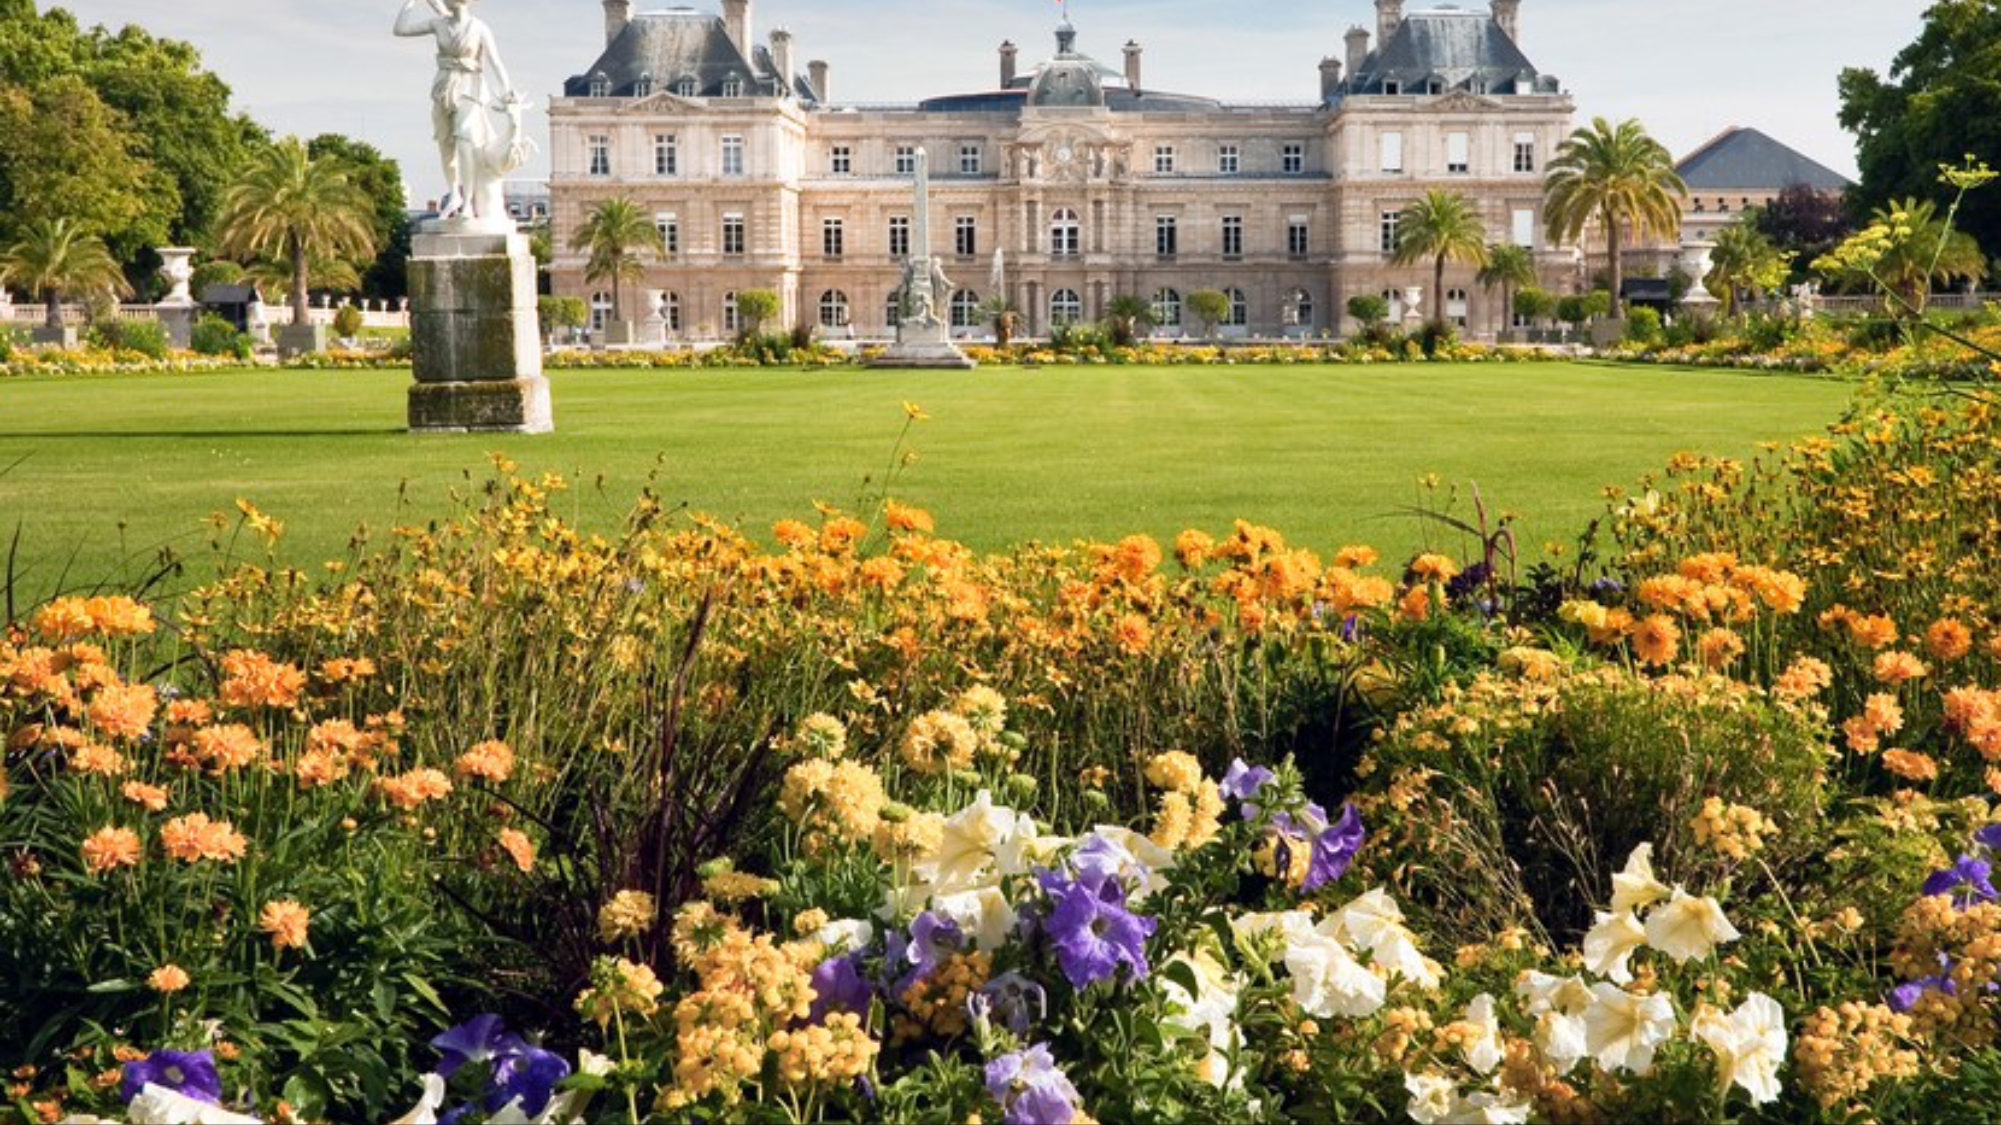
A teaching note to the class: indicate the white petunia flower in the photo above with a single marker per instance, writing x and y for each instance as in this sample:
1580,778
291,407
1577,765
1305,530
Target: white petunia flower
1688,928
968,850
1149,859
1490,1108
1609,947
157,1105
1557,1005
1622,1030
1212,1010
1327,981
1484,1053
1432,1097
1374,923
984,915
848,935
1635,888
426,1110
1750,1044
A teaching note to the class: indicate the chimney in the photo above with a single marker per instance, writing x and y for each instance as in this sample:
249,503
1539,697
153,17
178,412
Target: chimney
1389,17
1508,13
781,60
1009,54
617,13
1330,78
1358,52
736,19
817,72
1133,50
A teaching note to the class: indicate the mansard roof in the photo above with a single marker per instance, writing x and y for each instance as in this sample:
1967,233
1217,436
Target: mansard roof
1071,79
1747,160
1450,48
679,45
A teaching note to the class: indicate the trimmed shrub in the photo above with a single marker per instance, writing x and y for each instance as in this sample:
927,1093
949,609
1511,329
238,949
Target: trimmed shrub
347,322
1643,325
215,336
146,337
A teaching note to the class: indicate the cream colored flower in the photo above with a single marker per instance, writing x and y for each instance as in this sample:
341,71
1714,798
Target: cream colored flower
968,849
1374,923
1622,1030
1609,947
1750,1044
1484,1052
846,936
1210,1011
1432,1097
1635,888
1688,928
983,914
1557,1005
1327,981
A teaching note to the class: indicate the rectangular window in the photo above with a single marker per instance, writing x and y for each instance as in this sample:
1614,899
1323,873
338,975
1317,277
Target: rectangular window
1166,236
1389,230
970,160
1524,227
906,160
1233,236
600,158
733,156
1229,160
1163,160
966,236
899,236
842,160
1298,237
1294,157
666,155
1524,152
833,238
1458,153
733,238
1392,144
669,226
1392,88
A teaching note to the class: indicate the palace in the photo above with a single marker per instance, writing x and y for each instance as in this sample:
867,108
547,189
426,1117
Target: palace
1064,184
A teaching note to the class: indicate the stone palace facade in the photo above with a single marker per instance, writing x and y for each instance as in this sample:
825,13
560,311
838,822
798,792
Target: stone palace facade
1090,183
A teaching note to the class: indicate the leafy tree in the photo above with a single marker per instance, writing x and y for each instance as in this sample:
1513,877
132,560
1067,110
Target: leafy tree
1126,317
1804,221
1442,227
562,312
1906,250
65,154
1619,176
1509,268
56,258
614,234
1745,261
756,308
1209,307
306,211
1533,304
381,179
1939,101
1370,309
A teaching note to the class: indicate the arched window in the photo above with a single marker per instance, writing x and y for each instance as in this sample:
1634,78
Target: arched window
1456,306
1394,299
1065,307
644,87
601,311
733,87
670,311
1065,234
1240,309
965,309
686,87
833,309
1167,308
1299,309
600,86
732,321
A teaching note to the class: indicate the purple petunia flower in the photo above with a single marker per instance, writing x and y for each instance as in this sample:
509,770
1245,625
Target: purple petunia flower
1098,863
188,1073
1031,1090
1014,1001
1243,781
933,938
1093,933
1989,837
1968,881
481,1039
528,1076
839,986
1904,997
1334,846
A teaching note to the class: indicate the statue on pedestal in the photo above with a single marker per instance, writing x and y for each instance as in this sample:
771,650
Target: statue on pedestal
923,334
472,83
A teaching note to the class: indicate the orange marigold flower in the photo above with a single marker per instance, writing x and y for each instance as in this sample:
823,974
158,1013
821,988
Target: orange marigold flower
519,848
1910,766
124,712
119,617
194,837
1133,634
1657,640
287,922
1135,558
1416,603
793,533
343,671
413,789
1356,558
881,574
1873,632
902,517
1719,648
252,679
491,761
1806,677
840,535
1883,713
64,619
1708,568
168,979
152,798
318,768
1192,548
98,761
1949,640
1894,668
226,748
1861,735
1434,568
110,848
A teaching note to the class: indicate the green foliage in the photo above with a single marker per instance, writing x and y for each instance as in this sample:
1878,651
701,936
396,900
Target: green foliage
1442,227
1126,316
64,154
1745,261
1209,307
1535,304
6,343
380,179
1369,308
303,210
1907,250
756,308
1643,325
347,322
1598,303
1617,175
56,259
614,234
215,336
561,312
147,337
1573,310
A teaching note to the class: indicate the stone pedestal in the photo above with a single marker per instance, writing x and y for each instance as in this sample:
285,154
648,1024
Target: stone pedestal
922,344
179,322
475,340
295,340
64,337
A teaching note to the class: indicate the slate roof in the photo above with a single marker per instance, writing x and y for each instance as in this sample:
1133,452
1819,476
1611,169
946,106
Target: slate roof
1455,49
680,44
1748,160
1081,80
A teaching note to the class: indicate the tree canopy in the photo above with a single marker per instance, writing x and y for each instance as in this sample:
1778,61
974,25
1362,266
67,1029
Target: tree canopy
1617,175
381,180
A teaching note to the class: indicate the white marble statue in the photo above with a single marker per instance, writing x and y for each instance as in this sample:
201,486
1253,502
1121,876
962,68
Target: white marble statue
472,84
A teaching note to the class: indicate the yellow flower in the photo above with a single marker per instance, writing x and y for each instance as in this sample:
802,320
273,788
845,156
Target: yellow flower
287,922
110,848
628,914
519,848
1657,640
915,412
167,979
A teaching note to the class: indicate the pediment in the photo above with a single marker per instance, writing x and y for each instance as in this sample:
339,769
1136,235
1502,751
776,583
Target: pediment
662,102
1459,101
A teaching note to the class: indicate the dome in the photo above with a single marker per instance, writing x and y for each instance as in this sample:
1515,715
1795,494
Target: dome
1070,79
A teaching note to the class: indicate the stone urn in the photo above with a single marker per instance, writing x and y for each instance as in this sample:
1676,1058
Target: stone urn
177,310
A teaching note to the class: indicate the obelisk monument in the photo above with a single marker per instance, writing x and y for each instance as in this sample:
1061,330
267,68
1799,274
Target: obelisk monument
924,335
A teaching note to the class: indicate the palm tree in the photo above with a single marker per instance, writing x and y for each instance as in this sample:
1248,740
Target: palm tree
614,233
1744,259
291,207
1126,316
54,258
1922,252
1509,268
1619,176
1442,227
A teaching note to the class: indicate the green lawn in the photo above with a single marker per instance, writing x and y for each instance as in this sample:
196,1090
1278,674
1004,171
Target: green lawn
108,470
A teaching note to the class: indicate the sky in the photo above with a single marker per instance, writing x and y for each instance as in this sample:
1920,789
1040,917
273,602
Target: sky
1688,68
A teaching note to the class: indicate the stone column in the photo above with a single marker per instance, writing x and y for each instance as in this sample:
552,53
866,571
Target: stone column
476,343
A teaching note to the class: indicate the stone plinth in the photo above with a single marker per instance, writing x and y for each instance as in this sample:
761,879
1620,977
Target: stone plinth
475,341
924,345
295,340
